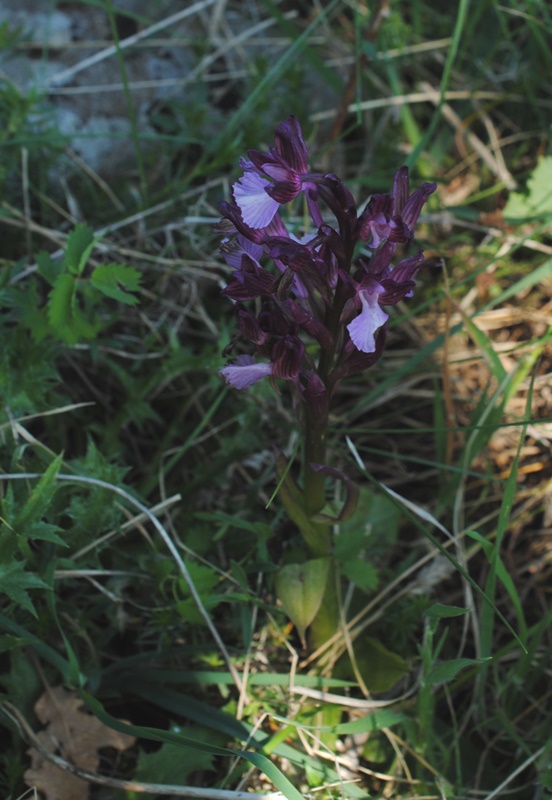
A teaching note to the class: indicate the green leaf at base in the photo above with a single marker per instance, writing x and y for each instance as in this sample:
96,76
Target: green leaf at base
117,281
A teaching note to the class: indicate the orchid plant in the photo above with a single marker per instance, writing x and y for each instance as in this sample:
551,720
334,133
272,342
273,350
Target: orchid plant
310,305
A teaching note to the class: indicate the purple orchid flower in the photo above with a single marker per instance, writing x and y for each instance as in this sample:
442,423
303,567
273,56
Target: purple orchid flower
316,289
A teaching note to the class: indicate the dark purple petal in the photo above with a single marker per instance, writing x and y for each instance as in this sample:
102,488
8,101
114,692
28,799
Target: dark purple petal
275,319
283,284
258,159
400,283
411,210
407,269
285,191
310,324
276,228
249,327
245,371
232,213
394,292
379,204
354,361
250,281
339,200
234,249
279,173
378,264
400,190
293,254
290,146
287,355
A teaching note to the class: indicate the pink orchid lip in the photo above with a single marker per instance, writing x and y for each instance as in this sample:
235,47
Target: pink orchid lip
257,207
363,328
245,371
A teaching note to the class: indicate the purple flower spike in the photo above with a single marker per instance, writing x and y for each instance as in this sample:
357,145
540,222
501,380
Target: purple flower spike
320,309
244,372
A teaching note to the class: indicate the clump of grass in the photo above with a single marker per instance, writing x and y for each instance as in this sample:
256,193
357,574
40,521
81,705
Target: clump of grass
152,478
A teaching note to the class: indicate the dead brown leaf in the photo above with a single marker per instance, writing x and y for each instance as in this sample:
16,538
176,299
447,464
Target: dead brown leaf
74,735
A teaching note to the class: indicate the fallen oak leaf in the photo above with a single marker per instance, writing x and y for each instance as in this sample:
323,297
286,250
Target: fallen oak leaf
130,785
76,736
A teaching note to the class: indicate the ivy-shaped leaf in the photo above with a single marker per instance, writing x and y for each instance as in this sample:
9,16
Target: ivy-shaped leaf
117,281
14,582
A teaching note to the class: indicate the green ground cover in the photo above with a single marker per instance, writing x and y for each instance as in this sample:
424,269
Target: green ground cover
138,541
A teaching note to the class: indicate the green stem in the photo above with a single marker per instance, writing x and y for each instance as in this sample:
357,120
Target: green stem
326,621
314,483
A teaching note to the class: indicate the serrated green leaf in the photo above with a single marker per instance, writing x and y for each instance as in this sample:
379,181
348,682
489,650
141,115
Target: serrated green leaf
80,243
538,200
60,304
46,532
117,281
14,582
189,611
361,572
204,579
48,268
28,302
67,320
39,499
